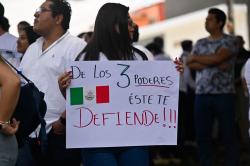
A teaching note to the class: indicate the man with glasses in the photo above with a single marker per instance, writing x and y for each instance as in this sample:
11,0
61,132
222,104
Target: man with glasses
43,62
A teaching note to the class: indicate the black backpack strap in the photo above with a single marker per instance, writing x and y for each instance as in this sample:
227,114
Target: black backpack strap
42,133
141,53
18,72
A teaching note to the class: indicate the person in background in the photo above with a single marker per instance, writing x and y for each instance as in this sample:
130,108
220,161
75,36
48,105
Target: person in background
160,42
157,52
187,95
80,35
156,48
8,45
159,46
246,81
21,25
213,59
112,40
241,99
87,36
242,56
42,63
9,94
27,36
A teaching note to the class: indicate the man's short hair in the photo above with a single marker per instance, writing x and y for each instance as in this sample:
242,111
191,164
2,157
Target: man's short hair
219,15
1,10
62,7
187,45
160,41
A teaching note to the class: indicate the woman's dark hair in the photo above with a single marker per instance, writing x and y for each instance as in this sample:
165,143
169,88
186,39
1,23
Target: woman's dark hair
219,15
31,35
22,24
112,17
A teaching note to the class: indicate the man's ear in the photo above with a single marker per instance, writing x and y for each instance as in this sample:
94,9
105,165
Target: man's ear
59,19
220,23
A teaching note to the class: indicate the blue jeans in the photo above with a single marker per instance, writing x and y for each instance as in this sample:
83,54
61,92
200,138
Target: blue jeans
57,155
121,156
8,150
207,107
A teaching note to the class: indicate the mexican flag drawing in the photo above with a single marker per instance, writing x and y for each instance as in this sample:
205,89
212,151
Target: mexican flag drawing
89,95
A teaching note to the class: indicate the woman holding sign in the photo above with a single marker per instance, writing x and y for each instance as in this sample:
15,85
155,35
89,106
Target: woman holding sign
112,40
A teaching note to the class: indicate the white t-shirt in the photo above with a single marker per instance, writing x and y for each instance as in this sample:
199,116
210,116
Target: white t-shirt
8,48
44,68
145,50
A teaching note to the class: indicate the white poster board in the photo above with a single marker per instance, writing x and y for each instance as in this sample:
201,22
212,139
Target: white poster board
122,103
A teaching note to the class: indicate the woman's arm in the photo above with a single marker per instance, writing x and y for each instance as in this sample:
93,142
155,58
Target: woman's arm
9,91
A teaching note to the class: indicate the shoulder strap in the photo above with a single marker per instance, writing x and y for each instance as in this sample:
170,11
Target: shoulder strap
18,72
141,53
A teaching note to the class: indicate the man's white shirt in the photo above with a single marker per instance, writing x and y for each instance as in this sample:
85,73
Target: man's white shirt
44,68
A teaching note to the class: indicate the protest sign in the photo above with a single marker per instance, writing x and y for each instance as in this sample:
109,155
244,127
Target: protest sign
122,103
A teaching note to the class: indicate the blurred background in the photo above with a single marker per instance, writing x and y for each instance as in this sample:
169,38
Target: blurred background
174,20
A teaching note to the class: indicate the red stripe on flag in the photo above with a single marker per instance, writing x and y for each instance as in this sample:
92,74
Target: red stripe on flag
102,94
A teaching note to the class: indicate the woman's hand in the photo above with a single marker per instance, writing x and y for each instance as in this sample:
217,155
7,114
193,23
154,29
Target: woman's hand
179,65
11,128
64,81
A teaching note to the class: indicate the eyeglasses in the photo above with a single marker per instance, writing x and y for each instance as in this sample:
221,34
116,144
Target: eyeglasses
41,10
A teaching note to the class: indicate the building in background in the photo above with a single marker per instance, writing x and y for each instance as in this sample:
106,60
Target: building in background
150,14
184,20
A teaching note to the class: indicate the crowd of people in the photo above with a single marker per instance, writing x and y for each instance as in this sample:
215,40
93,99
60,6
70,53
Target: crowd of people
213,93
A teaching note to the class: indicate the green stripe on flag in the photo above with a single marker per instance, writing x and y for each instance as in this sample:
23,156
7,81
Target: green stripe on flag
76,96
